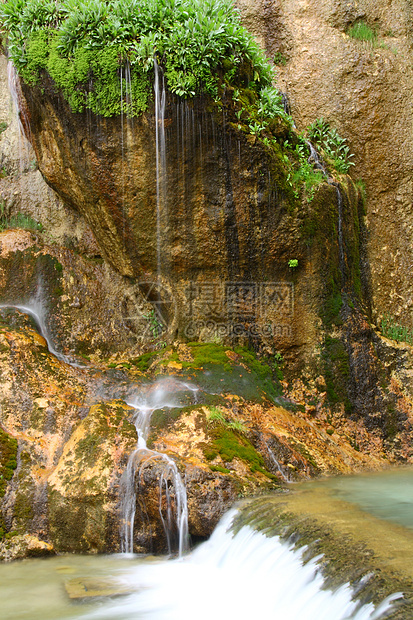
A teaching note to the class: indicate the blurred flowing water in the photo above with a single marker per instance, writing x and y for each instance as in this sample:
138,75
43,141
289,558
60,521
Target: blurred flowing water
238,573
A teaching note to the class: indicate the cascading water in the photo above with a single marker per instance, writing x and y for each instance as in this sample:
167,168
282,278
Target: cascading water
276,463
35,308
160,99
315,159
242,575
176,517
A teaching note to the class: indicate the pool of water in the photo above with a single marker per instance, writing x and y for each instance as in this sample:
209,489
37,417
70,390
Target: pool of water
386,495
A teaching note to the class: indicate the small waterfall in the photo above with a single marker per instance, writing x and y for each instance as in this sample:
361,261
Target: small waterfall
35,308
13,81
175,518
315,159
160,162
240,575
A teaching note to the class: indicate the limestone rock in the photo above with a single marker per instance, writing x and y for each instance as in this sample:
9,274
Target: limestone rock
24,546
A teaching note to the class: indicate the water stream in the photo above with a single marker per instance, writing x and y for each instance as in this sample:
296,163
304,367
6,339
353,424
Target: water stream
176,518
36,310
239,575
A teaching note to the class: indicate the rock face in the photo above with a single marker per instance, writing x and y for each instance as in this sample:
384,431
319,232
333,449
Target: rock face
213,227
65,443
201,251
364,90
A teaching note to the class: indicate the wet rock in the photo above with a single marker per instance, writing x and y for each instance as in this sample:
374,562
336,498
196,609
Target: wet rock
24,546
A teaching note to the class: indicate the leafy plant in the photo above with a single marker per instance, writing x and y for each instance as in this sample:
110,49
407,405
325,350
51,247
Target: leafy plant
155,324
216,415
395,331
280,59
334,147
17,221
293,263
87,45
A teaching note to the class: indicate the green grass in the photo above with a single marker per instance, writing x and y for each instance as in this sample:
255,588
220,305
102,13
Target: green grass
18,221
395,331
361,31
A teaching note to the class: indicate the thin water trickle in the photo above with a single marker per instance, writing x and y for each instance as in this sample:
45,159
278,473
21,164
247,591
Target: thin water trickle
160,162
276,463
342,261
35,308
176,517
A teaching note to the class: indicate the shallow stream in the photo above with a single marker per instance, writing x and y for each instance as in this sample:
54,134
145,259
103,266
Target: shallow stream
244,572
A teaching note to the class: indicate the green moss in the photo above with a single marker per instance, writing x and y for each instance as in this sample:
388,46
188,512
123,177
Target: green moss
218,370
143,361
222,470
230,444
336,372
8,460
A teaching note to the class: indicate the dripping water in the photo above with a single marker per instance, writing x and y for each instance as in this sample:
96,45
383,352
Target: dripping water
340,232
276,463
160,162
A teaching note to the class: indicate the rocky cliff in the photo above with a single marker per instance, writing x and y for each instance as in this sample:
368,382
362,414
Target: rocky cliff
363,86
143,242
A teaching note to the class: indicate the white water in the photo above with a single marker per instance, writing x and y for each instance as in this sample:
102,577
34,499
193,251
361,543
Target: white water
242,576
35,309
276,463
176,517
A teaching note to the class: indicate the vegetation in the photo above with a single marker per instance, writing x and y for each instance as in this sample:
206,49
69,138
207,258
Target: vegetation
394,331
8,459
17,221
333,147
363,32
102,53
229,442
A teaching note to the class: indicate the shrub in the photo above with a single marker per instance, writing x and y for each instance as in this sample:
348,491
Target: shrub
89,46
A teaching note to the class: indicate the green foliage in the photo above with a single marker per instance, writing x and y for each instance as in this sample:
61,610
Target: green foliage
301,175
293,263
280,59
334,147
395,331
3,126
155,326
363,32
17,221
87,46
216,415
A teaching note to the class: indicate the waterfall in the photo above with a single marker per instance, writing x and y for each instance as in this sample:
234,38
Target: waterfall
315,159
240,575
35,308
176,518
160,162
